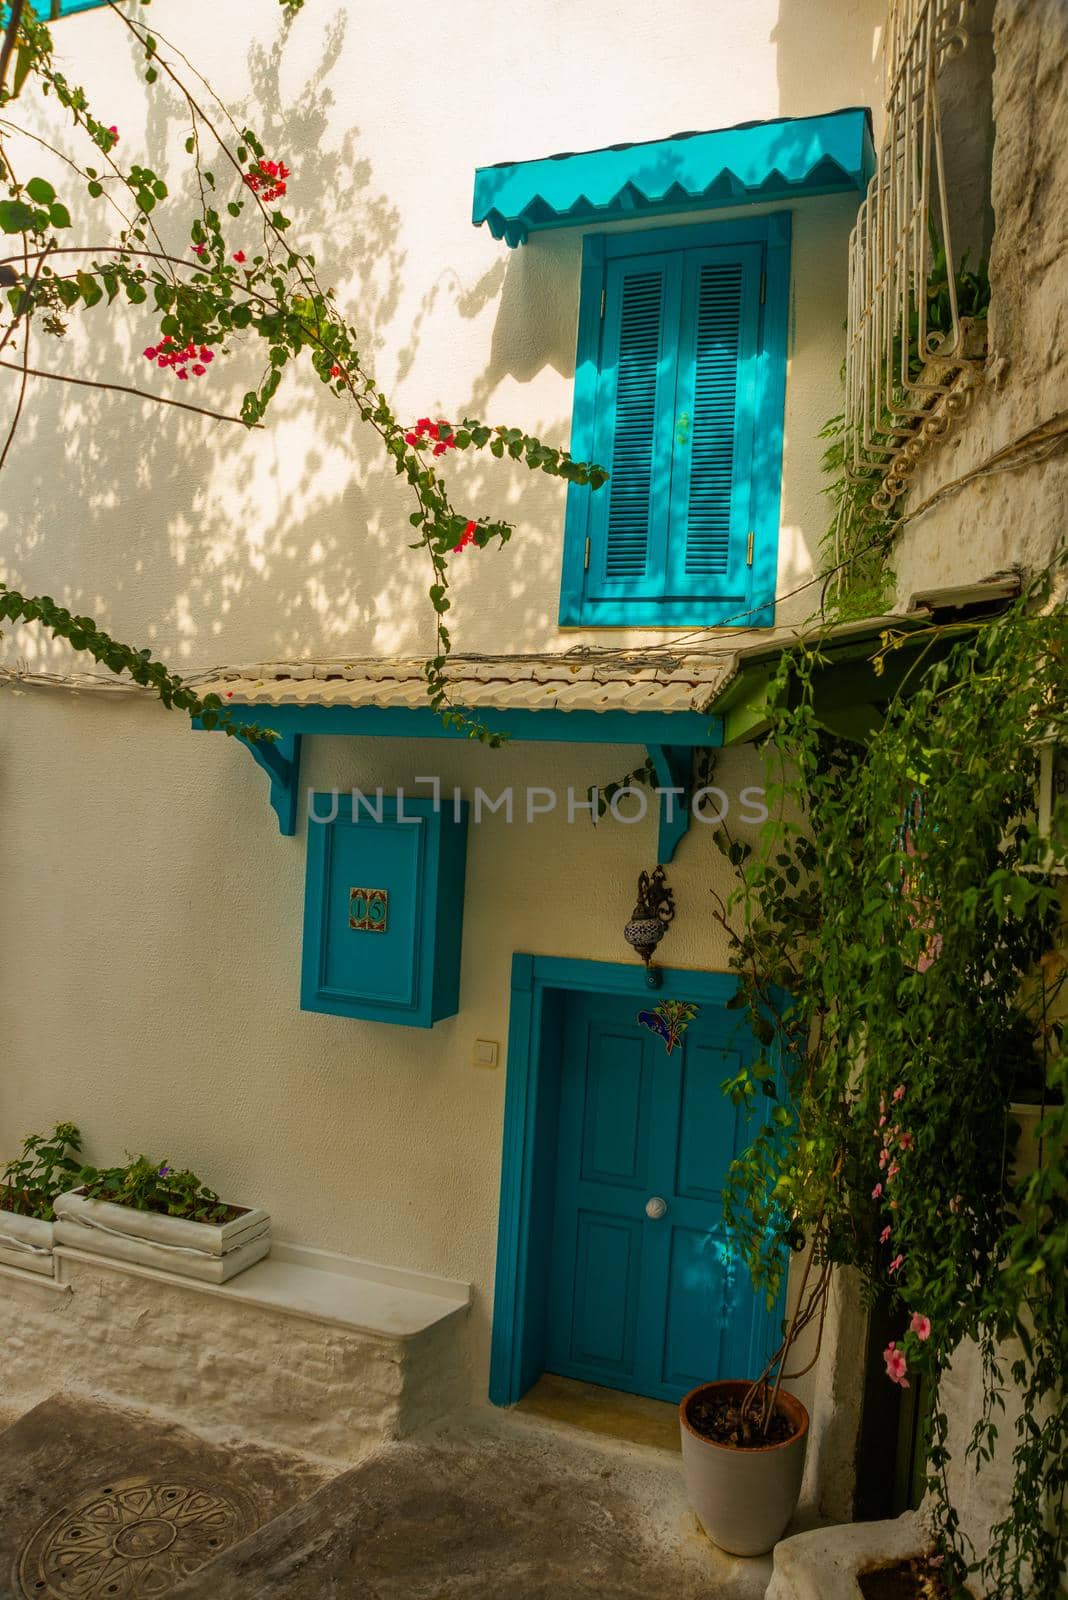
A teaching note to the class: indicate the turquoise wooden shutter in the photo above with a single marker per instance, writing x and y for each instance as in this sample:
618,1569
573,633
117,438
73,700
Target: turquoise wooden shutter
628,527
715,413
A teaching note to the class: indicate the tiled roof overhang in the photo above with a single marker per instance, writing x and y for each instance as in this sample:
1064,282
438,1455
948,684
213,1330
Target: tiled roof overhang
754,161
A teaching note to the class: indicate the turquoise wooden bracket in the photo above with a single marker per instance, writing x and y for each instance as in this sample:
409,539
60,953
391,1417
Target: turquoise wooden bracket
674,764
280,760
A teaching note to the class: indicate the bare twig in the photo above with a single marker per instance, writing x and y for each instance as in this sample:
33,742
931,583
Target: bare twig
123,388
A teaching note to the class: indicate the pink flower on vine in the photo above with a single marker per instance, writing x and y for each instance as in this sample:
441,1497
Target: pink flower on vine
897,1263
114,132
199,250
267,179
877,1192
920,1326
905,1140
181,359
885,1234
892,1171
899,1093
441,435
896,1365
884,1157
466,538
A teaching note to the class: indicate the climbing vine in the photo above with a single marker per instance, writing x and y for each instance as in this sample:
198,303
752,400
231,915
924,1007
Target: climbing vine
225,270
904,898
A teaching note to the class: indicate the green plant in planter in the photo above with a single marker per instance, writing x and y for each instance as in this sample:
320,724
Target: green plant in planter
46,1167
147,1185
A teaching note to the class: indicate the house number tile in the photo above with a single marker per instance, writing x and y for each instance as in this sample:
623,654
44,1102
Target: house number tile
369,910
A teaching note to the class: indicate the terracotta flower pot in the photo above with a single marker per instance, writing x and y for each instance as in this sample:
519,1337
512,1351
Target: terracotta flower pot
743,1498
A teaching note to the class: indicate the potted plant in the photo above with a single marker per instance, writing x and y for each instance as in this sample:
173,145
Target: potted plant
28,1188
744,1443
153,1215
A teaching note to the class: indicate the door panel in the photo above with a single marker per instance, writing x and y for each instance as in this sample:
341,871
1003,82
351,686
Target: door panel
652,1305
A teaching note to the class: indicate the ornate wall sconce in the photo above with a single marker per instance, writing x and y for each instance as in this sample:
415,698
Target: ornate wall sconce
650,919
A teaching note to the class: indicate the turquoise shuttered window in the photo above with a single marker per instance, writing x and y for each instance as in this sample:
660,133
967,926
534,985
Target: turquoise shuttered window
679,393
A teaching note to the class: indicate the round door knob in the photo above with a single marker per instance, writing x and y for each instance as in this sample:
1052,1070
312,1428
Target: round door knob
656,1208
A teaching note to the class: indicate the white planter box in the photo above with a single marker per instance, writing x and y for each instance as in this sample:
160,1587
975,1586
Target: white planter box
210,1251
27,1242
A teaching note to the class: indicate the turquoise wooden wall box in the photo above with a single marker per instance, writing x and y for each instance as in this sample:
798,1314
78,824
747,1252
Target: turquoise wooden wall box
383,909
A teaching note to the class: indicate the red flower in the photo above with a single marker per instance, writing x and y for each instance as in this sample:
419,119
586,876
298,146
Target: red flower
199,249
167,354
411,438
239,256
114,132
335,371
466,538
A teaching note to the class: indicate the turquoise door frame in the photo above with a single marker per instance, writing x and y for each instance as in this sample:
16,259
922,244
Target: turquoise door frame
539,988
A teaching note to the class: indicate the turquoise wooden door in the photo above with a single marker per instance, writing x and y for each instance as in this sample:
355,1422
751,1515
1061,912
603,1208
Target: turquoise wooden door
650,1303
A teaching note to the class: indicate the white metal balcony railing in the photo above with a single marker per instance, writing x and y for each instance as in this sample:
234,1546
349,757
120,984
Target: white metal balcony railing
897,366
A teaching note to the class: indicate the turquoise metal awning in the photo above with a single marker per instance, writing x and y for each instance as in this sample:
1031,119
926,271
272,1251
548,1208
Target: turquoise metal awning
751,162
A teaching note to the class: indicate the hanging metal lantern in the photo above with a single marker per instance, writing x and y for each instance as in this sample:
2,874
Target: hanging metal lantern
650,918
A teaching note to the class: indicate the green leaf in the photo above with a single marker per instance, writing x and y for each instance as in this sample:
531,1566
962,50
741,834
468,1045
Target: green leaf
16,217
58,215
41,190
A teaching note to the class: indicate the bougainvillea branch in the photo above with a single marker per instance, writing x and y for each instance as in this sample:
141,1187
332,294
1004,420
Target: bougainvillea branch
213,292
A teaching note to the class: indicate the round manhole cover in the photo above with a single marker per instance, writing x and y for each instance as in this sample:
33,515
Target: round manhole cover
130,1539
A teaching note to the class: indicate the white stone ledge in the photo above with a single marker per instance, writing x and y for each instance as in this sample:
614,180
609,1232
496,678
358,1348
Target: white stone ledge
23,1275
318,1285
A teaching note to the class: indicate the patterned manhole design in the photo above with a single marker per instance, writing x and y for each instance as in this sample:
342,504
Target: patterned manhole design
130,1539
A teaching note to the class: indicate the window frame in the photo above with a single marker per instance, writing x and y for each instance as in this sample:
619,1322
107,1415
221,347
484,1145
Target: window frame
579,610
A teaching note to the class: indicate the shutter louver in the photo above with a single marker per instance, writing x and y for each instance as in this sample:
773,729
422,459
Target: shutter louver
631,484
719,307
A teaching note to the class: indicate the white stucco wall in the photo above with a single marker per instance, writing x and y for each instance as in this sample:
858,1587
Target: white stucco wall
212,545
151,914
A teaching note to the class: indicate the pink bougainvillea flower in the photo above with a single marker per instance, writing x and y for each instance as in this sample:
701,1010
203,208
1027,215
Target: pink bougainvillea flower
876,1193
899,1092
200,250
466,538
267,179
411,438
179,359
885,1234
897,1263
114,132
335,371
239,256
920,1326
896,1365
892,1171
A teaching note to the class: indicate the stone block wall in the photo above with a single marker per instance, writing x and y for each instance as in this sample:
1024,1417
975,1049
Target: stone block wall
223,1368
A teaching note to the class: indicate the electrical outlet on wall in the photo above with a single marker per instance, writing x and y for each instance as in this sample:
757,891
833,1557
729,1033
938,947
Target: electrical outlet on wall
486,1053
